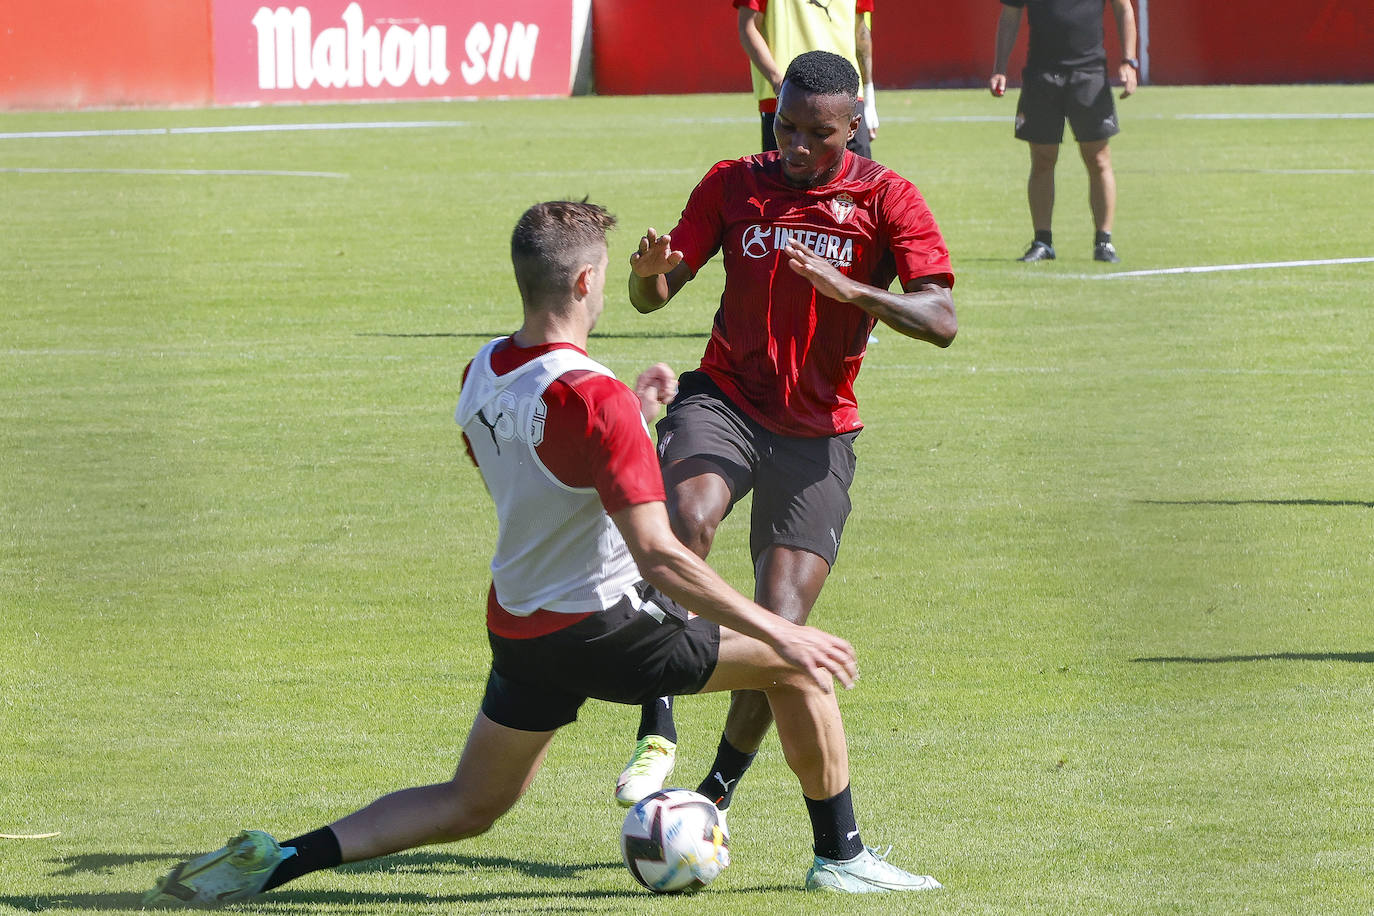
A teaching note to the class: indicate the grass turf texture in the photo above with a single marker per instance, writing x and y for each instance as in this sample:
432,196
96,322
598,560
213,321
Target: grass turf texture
1108,570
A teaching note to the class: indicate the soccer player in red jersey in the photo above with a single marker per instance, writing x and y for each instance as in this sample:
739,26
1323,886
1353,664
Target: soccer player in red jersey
589,598
812,236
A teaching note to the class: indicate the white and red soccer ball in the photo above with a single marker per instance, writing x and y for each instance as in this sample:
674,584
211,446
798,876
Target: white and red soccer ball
672,842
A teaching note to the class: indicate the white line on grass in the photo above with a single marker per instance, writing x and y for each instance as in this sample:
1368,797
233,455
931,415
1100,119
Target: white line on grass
1278,116
1215,268
872,365
231,129
1315,171
174,172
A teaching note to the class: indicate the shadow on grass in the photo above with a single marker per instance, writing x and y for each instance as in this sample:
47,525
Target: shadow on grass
438,861
1363,657
98,863
289,900
1257,502
595,335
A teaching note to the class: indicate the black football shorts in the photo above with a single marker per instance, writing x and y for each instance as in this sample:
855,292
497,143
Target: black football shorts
1082,96
642,648
800,484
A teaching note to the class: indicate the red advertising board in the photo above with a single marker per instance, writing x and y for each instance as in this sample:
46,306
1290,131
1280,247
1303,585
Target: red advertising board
76,54
340,50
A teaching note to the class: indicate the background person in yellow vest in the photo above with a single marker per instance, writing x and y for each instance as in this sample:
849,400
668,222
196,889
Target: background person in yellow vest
775,31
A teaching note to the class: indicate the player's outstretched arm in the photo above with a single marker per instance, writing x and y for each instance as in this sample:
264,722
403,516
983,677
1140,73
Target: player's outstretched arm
683,576
657,272
923,310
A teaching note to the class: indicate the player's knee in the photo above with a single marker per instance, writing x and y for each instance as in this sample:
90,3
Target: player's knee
1044,159
694,525
467,817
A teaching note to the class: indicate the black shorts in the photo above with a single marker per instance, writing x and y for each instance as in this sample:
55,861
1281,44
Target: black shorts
800,484
634,652
1049,96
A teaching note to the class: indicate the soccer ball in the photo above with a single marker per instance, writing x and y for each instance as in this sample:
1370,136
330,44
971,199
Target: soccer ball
672,842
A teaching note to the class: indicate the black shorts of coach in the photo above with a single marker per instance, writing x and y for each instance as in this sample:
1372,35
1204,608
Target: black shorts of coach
1083,96
800,484
644,647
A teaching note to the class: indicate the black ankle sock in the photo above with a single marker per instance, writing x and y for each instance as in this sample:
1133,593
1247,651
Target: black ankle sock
1102,238
725,774
833,826
1044,235
656,718
315,851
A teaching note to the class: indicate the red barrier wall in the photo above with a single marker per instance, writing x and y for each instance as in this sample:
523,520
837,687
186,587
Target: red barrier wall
1261,41
643,49
692,47
85,53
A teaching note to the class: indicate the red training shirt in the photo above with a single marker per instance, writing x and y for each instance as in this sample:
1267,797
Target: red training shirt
785,354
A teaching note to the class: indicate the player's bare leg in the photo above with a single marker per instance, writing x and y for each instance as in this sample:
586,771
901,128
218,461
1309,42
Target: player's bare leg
811,733
1040,184
698,498
496,768
1040,195
809,725
1097,158
787,581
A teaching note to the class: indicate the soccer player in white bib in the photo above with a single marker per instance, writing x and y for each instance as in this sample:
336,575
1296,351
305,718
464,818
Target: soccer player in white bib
590,597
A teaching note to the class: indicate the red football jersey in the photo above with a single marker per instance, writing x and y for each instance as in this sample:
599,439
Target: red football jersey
782,352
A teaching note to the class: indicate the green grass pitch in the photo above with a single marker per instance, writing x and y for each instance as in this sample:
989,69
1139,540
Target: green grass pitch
1108,572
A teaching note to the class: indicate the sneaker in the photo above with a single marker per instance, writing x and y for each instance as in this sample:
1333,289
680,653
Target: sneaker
866,873
1038,251
235,872
1106,251
649,766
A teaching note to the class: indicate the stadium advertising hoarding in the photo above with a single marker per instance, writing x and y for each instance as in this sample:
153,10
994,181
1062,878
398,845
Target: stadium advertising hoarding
344,50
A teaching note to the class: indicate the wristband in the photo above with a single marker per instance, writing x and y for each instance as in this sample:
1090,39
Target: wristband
870,106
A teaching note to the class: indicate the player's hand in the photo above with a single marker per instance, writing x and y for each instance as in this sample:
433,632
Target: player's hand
655,255
824,655
823,275
997,85
1129,80
656,385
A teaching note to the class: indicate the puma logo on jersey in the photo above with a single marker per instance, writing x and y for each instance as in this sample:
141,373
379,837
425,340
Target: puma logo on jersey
491,426
760,203
823,7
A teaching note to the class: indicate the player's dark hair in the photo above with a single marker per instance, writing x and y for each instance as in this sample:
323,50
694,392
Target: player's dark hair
551,243
823,73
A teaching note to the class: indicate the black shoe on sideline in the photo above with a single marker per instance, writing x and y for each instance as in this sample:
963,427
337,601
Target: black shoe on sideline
1106,251
1038,251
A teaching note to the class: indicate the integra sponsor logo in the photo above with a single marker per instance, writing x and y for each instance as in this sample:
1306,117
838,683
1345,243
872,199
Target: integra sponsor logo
759,241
